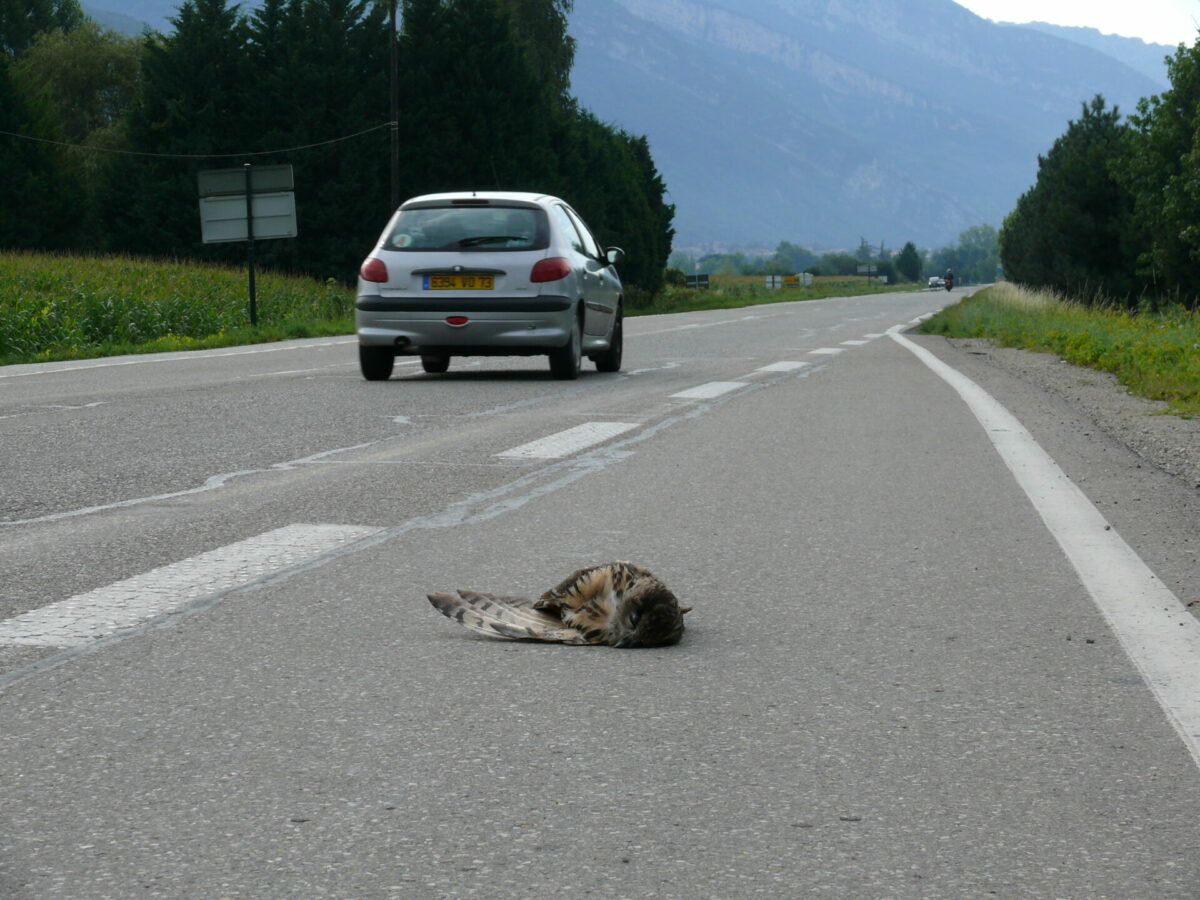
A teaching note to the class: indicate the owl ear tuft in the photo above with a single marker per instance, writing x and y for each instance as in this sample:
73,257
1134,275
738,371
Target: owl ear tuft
685,609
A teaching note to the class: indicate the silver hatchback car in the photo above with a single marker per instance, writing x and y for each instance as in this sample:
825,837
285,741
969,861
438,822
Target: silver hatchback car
488,274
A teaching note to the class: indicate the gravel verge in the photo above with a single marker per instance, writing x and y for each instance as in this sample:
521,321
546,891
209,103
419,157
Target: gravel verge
1169,442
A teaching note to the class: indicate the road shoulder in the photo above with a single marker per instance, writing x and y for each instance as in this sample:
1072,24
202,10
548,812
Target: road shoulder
1141,468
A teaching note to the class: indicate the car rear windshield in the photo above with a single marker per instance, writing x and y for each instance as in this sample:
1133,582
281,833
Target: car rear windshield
469,228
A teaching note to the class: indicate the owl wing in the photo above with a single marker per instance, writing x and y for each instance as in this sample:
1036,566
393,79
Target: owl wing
511,618
584,585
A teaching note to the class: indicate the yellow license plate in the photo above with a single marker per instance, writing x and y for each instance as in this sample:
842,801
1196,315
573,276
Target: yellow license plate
459,282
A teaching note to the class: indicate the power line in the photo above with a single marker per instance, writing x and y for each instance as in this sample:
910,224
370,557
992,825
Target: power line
26,137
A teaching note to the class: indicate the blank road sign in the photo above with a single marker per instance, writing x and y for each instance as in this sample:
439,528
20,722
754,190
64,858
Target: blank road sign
224,218
263,180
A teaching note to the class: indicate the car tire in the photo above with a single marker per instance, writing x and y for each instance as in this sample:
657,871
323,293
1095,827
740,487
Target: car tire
610,359
376,362
566,361
435,365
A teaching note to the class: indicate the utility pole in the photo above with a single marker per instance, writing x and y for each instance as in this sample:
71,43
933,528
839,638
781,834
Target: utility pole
393,102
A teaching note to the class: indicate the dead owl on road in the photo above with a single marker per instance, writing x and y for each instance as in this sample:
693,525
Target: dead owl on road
618,603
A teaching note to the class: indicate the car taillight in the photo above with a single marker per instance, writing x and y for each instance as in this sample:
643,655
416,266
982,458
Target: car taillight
550,269
373,270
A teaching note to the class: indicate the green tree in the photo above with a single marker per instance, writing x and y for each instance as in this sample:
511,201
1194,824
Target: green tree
37,204
1066,232
89,76
908,263
1159,168
194,100
21,21
793,259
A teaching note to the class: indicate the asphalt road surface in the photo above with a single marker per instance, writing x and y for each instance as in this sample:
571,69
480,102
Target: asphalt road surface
935,652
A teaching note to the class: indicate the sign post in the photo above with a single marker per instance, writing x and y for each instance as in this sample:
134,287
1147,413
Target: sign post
247,204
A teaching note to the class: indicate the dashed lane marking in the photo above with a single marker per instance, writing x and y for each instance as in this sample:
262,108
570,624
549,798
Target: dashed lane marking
564,443
783,366
710,390
107,611
827,351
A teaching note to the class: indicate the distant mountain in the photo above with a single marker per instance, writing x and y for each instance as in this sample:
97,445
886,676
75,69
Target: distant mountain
1139,55
122,24
822,122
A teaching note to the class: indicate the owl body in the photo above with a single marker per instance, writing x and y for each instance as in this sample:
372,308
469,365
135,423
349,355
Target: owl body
619,604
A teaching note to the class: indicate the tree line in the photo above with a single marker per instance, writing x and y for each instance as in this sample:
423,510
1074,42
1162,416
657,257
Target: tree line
483,100
1114,215
973,259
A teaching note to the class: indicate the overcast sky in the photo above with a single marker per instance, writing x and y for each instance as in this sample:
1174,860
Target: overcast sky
1158,21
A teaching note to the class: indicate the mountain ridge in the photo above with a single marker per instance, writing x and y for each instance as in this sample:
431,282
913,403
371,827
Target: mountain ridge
820,121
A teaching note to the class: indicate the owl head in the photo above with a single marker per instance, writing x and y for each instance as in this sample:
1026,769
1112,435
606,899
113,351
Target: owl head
651,616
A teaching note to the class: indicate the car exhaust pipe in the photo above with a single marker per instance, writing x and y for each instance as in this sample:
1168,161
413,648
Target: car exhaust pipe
402,341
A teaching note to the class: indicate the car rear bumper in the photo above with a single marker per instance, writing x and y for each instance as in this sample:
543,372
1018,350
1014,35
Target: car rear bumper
497,326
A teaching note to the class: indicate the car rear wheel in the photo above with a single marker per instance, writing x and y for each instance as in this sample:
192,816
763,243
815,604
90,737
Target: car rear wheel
435,365
610,359
566,361
376,362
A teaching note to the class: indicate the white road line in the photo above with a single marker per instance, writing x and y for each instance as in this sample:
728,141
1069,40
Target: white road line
854,343
710,390
27,370
570,441
694,325
783,366
1156,630
212,483
826,351
106,611
872,337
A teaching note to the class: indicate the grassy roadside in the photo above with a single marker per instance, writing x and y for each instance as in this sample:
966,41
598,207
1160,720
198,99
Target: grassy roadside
730,292
1155,355
61,307
56,307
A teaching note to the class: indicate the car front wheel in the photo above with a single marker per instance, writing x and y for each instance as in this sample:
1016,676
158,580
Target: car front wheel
565,362
376,362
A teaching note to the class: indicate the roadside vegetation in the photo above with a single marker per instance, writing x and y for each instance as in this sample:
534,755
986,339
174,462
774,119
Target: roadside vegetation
61,306
1155,354
731,291
56,306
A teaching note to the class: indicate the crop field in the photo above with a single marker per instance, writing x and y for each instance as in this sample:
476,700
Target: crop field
74,307
1155,355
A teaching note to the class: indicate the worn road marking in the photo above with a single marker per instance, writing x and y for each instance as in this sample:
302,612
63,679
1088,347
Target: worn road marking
108,610
1156,630
710,390
783,366
854,343
826,351
25,371
570,441
212,483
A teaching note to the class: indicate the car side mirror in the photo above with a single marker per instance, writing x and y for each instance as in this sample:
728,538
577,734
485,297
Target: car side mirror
614,255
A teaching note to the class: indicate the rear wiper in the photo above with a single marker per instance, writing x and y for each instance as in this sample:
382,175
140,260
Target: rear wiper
490,239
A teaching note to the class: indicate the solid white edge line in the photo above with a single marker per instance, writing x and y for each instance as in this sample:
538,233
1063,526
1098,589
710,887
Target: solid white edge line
1157,632
28,370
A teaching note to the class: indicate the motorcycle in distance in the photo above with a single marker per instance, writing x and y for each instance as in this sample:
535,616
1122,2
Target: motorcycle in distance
949,280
